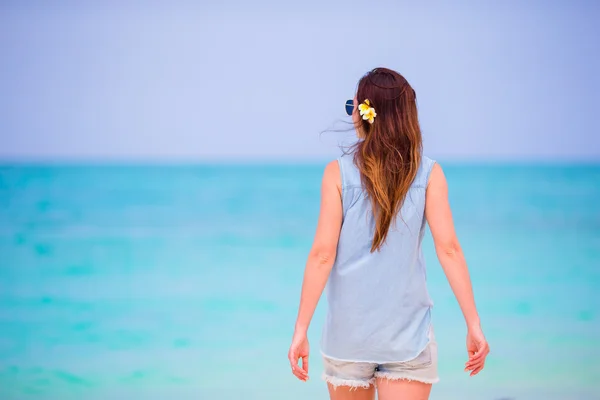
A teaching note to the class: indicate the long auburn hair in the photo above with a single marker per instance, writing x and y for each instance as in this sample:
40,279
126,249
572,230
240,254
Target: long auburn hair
388,154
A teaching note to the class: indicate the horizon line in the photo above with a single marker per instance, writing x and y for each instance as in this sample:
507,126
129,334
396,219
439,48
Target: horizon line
266,161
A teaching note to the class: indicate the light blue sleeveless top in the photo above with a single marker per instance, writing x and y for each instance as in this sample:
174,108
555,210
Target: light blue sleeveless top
379,309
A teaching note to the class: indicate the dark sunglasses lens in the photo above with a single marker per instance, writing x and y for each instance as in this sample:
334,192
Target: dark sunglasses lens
349,107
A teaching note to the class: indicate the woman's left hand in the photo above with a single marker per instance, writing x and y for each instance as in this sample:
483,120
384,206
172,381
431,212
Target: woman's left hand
299,350
478,349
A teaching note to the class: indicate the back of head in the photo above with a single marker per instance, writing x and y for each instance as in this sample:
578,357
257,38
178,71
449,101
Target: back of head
388,153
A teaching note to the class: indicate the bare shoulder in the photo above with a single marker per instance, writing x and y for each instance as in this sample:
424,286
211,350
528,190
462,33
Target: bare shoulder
332,168
331,176
437,179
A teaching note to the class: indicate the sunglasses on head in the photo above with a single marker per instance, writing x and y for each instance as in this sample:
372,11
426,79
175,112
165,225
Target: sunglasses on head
349,106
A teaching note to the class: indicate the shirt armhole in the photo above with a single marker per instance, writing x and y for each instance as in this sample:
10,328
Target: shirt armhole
429,169
342,178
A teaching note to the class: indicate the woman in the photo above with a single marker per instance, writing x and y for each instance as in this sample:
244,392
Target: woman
375,201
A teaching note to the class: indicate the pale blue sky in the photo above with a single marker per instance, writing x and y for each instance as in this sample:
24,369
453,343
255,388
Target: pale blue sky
233,80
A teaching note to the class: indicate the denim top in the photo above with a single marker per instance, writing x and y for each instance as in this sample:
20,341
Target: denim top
379,309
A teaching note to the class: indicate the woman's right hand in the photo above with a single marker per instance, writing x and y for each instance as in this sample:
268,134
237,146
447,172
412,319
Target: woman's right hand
299,350
477,348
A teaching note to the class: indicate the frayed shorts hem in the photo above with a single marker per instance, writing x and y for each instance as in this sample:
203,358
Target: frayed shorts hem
352,383
410,378
365,384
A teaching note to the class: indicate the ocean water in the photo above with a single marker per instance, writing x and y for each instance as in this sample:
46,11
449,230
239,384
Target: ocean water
182,282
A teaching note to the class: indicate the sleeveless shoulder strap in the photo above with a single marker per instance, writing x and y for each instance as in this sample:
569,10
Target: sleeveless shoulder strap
424,170
350,174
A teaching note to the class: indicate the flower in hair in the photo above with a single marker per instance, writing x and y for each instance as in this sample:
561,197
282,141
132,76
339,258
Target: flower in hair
368,113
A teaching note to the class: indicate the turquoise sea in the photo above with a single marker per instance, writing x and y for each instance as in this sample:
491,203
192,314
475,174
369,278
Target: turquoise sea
182,282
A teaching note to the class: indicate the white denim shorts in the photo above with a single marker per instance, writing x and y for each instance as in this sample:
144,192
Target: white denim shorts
422,368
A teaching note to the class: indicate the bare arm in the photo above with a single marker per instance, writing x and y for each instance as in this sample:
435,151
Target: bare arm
323,251
447,247
318,266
